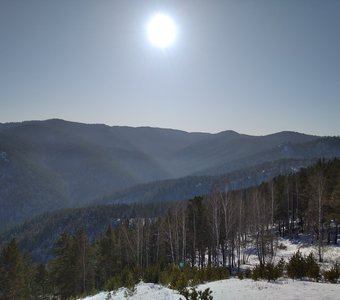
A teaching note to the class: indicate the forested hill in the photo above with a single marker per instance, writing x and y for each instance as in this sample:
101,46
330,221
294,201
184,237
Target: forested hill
292,202
53,164
38,235
191,186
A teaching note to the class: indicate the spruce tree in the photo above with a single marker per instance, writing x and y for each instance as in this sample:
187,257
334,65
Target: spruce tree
83,263
13,279
296,267
312,267
107,264
41,288
62,272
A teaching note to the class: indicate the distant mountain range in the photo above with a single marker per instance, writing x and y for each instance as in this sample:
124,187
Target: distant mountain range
47,165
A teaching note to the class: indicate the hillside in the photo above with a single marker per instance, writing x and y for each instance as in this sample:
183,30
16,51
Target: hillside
53,164
230,148
199,185
225,233
38,235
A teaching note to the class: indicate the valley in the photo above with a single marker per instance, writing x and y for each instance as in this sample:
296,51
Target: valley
54,164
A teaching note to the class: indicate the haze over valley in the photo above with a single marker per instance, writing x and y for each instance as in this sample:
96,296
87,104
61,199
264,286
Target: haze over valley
53,164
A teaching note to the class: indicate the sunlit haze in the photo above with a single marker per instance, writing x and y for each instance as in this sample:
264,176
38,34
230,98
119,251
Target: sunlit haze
256,67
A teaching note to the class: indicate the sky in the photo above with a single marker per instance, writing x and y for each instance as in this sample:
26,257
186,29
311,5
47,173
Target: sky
256,66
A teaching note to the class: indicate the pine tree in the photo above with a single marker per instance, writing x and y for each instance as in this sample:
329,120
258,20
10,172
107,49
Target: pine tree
296,267
83,263
41,285
62,272
13,279
312,267
333,274
334,203
72,269
107,263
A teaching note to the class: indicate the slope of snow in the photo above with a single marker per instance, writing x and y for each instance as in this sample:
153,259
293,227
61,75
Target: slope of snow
235,289
282,290
144,291
331,253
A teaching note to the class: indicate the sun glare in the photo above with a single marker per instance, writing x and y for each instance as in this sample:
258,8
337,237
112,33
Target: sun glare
161,30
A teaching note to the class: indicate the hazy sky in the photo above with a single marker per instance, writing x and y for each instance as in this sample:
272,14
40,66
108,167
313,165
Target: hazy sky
254,66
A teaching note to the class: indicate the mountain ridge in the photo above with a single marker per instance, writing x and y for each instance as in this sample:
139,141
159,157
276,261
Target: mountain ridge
60,120
52,164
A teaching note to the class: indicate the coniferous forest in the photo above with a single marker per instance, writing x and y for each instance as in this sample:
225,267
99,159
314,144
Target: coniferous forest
202,239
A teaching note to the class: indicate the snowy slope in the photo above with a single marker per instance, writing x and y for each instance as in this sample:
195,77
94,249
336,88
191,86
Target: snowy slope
238,289
144,291
331,253
285,290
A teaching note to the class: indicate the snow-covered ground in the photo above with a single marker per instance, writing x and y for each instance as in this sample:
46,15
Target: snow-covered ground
331,253
281,290
144,291
237,289
284,289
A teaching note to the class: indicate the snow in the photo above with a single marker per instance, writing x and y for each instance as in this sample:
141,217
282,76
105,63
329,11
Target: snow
281,290
144,291
237,289
331,253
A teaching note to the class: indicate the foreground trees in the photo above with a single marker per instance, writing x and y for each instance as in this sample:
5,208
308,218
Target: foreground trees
72,270
14,283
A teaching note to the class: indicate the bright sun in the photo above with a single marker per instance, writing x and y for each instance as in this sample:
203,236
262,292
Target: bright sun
161,30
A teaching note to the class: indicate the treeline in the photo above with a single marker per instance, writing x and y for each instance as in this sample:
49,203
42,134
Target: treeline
215,233
81,268
38,235
297,267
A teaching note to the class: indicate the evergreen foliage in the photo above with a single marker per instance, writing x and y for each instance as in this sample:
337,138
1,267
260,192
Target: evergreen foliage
296,267
107,258
193,294
14,283
152,274
312,267
333,274
41,287
72,269
268,271
299,267
124,278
